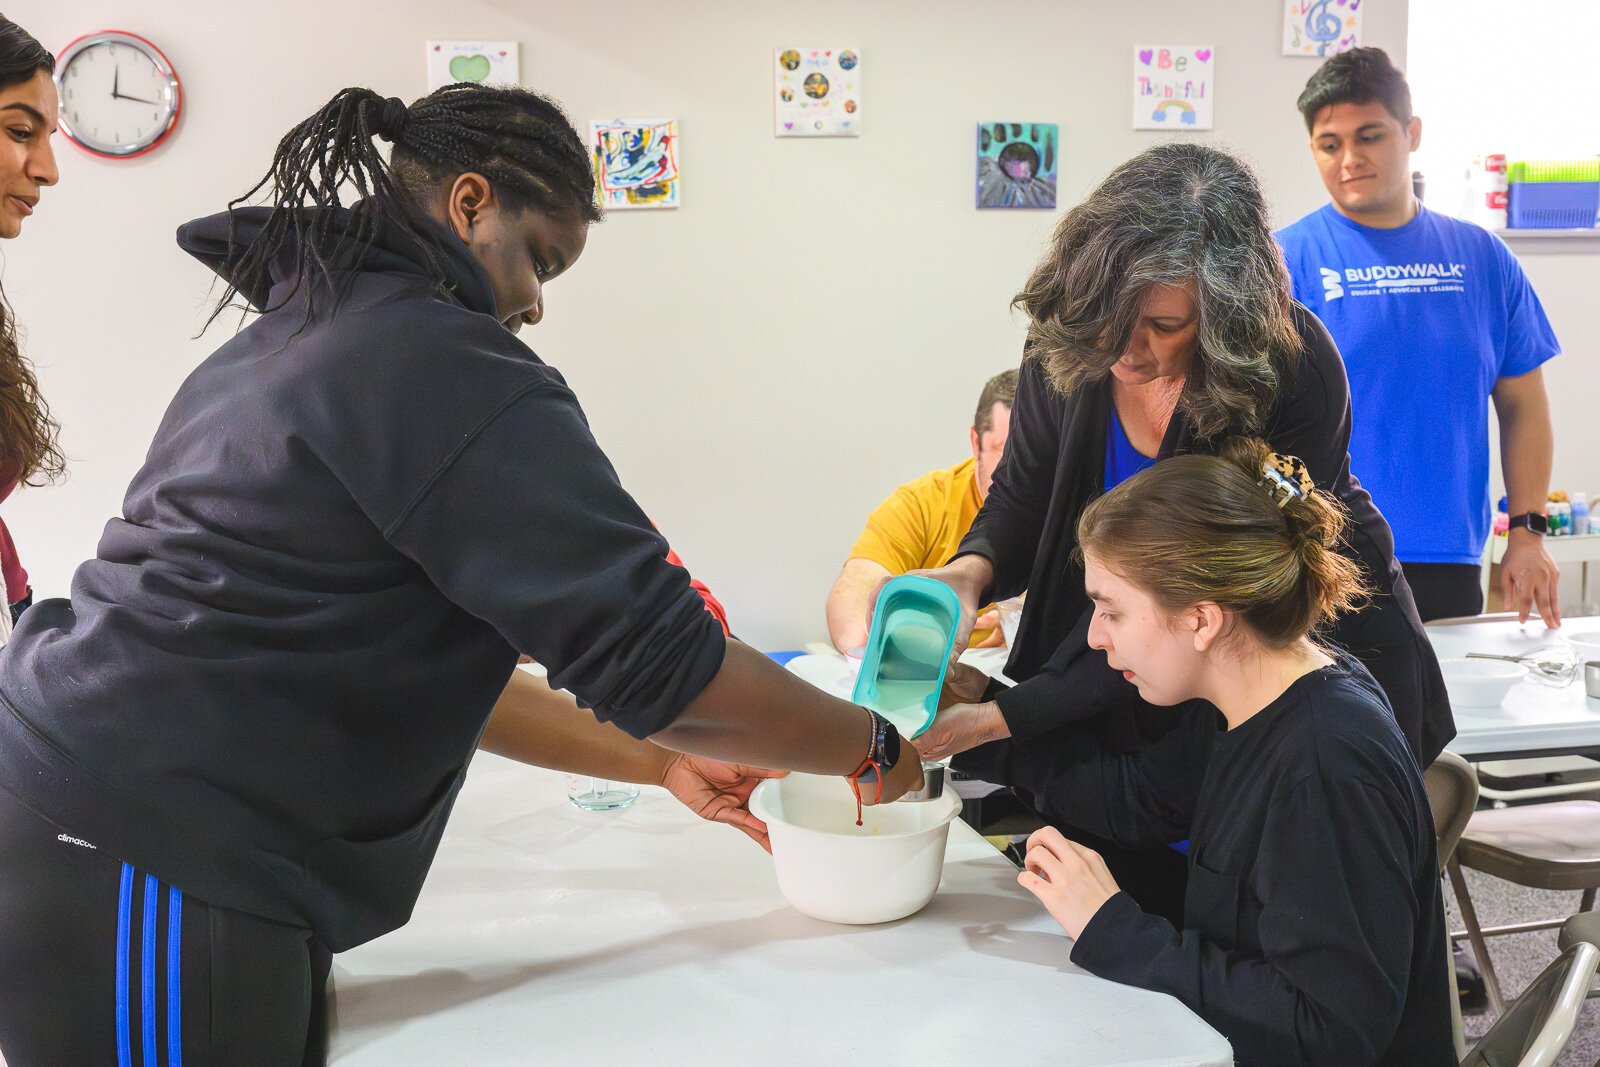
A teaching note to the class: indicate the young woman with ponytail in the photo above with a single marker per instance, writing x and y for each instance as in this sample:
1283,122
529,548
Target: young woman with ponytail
29,452
1313,927
235,748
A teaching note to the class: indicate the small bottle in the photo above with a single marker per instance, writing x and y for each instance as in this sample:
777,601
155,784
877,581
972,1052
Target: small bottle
1488,192
1502,521
1560,519
1580,514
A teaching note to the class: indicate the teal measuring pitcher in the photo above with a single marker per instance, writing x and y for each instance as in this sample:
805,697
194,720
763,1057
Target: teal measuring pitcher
907,651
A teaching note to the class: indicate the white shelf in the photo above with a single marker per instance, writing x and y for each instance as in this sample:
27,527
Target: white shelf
1567,548
1559,242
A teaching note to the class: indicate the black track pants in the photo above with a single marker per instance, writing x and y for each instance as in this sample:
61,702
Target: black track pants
101,964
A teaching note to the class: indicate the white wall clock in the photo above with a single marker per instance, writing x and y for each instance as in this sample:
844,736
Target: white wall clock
120,96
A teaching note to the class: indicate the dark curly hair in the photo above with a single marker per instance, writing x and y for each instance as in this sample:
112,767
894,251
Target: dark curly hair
29,437
1177,213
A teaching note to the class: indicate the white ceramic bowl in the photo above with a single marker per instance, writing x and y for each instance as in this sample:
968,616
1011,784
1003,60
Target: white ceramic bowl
1587,643
1480,683
832,869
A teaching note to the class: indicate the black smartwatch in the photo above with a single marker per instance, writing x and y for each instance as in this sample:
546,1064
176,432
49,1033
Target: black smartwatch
1530,520
884,752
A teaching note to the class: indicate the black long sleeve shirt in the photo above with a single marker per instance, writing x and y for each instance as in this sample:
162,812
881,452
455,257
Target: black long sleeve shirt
1313,919
1052,469
267,686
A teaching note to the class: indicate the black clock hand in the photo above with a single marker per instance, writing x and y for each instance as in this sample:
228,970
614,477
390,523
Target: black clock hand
116,72
137,99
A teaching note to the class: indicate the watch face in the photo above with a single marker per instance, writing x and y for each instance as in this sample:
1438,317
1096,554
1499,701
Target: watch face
1530,521
119,95
891,745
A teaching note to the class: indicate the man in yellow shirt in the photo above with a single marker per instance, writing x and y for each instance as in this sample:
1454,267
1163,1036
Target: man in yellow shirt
923,522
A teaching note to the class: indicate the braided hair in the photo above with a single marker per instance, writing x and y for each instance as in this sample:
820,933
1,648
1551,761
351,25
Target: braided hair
521,141
29,442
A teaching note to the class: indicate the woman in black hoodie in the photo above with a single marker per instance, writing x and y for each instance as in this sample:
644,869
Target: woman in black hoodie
240,740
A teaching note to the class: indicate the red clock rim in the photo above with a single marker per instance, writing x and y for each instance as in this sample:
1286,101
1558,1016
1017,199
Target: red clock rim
177,109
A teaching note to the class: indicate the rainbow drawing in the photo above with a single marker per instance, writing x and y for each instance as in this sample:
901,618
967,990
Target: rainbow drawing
1186,113
1173,86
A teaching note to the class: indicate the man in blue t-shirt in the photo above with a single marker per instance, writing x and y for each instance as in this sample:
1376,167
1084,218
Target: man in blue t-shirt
1434,318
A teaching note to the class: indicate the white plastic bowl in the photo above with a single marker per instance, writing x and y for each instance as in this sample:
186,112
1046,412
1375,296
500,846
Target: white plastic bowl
832,869
1480,683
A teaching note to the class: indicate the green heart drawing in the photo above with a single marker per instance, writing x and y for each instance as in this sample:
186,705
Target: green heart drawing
469,68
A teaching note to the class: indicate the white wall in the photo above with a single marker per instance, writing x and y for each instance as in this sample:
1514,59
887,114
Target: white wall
764,364
1465,114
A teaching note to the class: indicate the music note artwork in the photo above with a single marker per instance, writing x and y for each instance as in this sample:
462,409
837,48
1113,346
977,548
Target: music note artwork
1320,28
1173,86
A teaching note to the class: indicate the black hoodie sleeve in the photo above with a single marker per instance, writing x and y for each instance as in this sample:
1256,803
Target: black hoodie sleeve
1135,799
1075,683
527,527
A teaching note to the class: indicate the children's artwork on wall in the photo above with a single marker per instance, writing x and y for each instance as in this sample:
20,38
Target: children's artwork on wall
1173,86
486,62
1017,163
635,163
816,92
1320,27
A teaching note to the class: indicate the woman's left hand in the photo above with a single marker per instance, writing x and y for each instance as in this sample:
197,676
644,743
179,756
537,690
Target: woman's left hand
718,791
1071,881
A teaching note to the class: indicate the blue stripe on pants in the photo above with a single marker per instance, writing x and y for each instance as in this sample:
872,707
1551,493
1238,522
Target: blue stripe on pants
174,989
124,902
147,973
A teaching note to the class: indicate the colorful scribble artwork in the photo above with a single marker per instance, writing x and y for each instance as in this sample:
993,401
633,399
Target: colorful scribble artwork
1320,27
1174,86
816,92
636,164
1017,164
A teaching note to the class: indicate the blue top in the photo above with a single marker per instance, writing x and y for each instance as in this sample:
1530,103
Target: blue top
1123,461
1428,316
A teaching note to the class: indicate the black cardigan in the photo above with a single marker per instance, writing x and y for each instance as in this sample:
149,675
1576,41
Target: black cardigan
1053,468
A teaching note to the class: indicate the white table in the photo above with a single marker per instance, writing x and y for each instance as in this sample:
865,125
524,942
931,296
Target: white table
1534,719
551,935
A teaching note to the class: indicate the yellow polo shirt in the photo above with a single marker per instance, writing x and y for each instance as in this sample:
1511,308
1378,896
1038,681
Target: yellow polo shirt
922,523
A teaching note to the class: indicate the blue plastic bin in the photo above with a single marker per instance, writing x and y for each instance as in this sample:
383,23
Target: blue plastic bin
1553,205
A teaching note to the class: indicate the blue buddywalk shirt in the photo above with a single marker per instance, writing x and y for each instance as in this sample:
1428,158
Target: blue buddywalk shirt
1428,316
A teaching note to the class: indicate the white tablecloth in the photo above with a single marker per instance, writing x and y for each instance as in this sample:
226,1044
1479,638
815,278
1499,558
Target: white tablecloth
643,937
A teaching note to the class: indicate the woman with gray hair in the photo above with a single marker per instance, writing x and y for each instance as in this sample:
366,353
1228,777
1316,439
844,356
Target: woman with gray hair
1161,323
